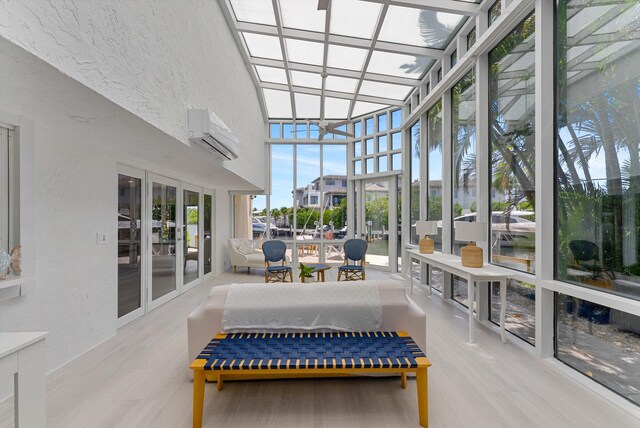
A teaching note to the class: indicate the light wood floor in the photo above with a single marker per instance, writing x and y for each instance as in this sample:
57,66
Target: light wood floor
139,379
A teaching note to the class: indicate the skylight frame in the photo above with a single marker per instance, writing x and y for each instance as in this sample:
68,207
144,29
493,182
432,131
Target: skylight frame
330,38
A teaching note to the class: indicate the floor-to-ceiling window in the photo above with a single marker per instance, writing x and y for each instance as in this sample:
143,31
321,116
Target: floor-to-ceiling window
434,183
463,132
208,233
414,196
598,187
512,189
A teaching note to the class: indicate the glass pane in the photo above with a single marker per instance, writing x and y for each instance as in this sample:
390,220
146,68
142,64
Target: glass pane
520,315
274,130
334,215
357,129
357,167
336,108
129,244
494,12
192,237
357,149
342,128
460,292
396,119
368,123
270,74
400,65
471,38
382,163
598,141
382,122
304,52
434,184
377,222
464,153
314,131
342,18
301,130
287,130
259,229
417,27
302,15
208,232
261,46
512,118
362,107
308,199
382,143
370,149
600,342
396,161
454,58
309,80
257,11
282,186
163,240
370,167
414,197
396,141
307,106
346,57
340,84
385,90
278,103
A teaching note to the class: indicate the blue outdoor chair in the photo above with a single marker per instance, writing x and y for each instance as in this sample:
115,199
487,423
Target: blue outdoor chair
275,251
355,251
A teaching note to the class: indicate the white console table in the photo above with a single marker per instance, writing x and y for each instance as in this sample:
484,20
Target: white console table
22,355
488,273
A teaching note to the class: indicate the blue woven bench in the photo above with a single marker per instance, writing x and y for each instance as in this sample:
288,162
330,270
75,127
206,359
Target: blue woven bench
252,355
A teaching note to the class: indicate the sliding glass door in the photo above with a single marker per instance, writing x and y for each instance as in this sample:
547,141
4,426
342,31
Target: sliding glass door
131,246
164,239
192,242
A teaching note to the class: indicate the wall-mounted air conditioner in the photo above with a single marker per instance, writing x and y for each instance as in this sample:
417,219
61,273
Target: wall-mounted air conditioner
209,132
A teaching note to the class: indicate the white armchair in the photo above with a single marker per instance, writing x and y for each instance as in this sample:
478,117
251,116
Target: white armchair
244,252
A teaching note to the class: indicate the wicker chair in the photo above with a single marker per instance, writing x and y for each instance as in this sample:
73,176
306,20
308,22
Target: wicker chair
355,251
276,251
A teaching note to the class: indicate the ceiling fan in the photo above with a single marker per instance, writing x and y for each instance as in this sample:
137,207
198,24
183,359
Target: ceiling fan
325,127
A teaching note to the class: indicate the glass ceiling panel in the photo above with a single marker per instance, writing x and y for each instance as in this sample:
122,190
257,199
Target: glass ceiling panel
262,46
362,107
340,84
309,80
270,74
344,12
400,65
336,108
346,57
631,16
418,27
385,90
302,15
586,16
307,106
256,11
278,103
304,52
609,50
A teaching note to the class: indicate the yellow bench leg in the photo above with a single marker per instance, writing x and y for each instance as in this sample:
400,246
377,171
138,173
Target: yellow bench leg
423,396
403,380
198,397
220,385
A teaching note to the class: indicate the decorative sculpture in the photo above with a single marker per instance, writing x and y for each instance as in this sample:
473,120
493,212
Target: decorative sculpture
16,255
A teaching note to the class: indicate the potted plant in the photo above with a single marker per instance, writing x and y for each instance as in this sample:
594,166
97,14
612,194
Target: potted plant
305,272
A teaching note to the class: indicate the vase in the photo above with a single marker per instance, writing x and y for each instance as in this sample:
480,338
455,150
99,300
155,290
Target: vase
5,263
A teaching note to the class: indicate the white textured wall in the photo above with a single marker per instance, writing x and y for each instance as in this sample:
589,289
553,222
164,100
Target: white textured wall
155,58
148,61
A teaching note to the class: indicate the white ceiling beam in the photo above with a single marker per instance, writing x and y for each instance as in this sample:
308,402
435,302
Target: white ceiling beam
459,7
285,56
332,94
374,39
352,42
276,63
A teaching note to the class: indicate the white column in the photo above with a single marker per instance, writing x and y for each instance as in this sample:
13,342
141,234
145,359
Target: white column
545,174
447,187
